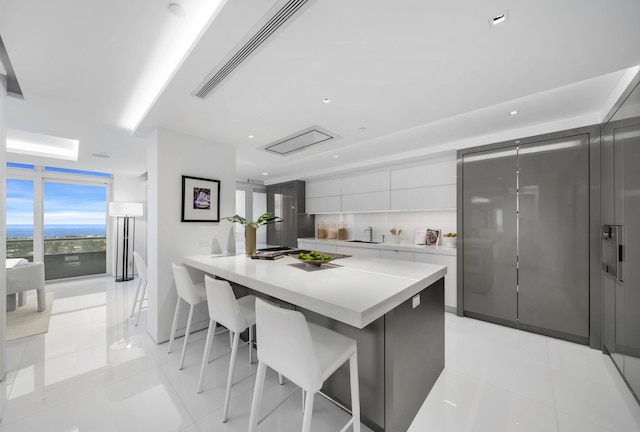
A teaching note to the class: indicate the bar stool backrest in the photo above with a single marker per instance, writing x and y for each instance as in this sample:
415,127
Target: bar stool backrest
184,285
223,306
141,266
284,344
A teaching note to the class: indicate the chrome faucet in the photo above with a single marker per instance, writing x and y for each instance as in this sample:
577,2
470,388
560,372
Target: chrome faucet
370,229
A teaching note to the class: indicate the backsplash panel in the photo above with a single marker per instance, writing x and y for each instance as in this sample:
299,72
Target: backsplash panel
382,222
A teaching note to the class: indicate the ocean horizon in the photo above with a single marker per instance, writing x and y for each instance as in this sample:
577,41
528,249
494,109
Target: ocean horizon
17,231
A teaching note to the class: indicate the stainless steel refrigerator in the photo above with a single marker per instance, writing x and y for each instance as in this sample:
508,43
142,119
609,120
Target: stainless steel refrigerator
524,219
620,162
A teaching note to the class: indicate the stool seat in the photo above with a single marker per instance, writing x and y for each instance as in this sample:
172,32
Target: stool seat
141,288
305,353
193,294
237,315
201,291
332,349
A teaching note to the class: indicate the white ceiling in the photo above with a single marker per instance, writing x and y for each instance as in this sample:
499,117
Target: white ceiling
423,77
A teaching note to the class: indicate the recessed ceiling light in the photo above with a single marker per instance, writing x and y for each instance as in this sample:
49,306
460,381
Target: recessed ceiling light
265,173
250,136
362,129
499,19
514,112
177,10
326,100
336,156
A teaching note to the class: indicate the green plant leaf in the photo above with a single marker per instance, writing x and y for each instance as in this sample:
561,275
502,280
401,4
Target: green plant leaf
262,220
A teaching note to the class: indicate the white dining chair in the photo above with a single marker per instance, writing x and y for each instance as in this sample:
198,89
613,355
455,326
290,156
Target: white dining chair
237,315
141,288
25,277
305,353
191,293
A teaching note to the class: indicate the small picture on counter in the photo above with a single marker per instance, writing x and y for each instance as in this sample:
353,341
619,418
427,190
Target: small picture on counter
433,237
420,237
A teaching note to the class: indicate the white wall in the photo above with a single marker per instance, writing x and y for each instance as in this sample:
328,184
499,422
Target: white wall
172,155
3,228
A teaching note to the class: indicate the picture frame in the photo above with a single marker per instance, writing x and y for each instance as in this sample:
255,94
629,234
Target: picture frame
433,236
200,199
420,237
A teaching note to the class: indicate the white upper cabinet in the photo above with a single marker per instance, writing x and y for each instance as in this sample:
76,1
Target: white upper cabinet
432,174
328,204
370,201
425,198
324,188
373,182
428,186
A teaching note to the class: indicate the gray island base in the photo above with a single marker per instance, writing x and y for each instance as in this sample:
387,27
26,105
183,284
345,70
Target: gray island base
394,309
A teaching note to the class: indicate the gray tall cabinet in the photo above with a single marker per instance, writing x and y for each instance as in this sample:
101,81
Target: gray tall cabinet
524,224
621,238
287,200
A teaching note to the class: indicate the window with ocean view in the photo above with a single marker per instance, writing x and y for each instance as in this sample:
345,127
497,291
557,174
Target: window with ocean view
74,229
19,216
71,236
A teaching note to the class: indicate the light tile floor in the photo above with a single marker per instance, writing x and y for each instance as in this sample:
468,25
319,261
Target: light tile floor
95,371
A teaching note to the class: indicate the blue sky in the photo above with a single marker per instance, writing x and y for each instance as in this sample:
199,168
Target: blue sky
63,203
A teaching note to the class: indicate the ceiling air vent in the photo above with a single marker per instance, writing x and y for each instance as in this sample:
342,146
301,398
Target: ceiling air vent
249,44
299,141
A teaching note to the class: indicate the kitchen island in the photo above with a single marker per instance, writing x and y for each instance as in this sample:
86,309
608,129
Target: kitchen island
394,309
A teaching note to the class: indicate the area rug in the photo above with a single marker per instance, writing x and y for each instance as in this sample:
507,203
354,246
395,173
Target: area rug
26,321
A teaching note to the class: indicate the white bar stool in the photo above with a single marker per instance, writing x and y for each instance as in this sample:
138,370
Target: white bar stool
193,294
141,269
305,353
236,315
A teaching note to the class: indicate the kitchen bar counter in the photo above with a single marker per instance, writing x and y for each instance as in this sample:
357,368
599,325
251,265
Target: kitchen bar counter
394,309
355,291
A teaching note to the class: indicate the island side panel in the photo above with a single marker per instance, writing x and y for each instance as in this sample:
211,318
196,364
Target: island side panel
414,355
371,368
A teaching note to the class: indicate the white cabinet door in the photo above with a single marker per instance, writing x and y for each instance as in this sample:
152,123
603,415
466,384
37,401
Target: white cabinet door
372,201
323,188
359,252
433,197
398,255
433,174
324,204
373,182
450,280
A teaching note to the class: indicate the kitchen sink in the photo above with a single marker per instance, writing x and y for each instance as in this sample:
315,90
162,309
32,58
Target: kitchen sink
363,241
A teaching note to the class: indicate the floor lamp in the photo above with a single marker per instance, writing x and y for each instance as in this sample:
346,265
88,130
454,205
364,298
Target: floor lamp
125,212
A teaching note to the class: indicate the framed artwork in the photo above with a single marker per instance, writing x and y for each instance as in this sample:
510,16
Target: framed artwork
200,200
420,237
433,237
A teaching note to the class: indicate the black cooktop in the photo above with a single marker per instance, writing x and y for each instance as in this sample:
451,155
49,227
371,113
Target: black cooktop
295,251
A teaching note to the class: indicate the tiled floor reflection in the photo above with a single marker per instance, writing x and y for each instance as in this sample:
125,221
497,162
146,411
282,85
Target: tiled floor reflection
500,379
95,371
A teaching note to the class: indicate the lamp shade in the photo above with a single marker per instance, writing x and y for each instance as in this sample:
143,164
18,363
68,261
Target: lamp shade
128,209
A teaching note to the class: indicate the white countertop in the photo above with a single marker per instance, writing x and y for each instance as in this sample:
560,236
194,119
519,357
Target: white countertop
352,290
406,247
